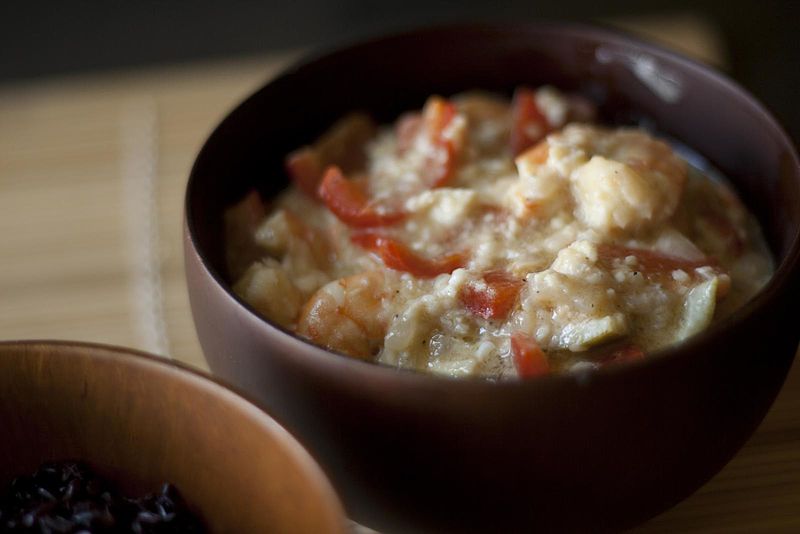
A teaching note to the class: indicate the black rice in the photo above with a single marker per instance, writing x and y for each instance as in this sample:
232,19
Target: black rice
68,498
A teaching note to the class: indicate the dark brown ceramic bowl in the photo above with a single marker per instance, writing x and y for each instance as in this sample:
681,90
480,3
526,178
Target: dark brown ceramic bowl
140,421
410,451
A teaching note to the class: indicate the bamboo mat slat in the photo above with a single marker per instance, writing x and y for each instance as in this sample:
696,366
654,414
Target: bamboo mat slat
92,175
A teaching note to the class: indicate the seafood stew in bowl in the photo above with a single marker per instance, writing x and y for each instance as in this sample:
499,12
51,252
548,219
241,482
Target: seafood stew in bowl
482,237
425,452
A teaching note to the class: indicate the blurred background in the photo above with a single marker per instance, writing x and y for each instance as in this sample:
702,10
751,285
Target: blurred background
105,103
45,38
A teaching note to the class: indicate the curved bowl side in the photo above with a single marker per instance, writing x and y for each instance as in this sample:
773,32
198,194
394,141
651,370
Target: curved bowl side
141,422
409,454
415,452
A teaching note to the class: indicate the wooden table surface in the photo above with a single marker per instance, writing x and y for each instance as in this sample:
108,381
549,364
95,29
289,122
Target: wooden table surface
92,173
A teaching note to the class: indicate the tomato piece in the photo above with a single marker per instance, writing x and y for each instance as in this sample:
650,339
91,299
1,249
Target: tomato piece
628,353
529,359
349,203
342,145
651,262
495,299
399,257
440,165
528,123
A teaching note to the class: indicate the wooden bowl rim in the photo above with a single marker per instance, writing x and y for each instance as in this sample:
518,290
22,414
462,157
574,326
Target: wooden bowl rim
195,378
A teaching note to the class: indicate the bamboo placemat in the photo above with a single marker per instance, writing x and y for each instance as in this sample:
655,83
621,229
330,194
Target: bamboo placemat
92,174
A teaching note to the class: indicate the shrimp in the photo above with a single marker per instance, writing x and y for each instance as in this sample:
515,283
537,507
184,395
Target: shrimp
619,179
347,315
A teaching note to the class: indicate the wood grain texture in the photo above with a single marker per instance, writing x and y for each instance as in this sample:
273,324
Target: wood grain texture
139,422
71,239
68,262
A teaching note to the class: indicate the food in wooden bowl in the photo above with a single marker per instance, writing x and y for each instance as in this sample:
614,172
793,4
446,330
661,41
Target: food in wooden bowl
138,421
67,496
566,451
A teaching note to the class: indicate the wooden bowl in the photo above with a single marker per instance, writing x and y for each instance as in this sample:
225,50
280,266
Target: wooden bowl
140,421
411,452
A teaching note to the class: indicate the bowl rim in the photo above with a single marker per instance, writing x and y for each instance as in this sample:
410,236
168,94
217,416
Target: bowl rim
239,400
786,273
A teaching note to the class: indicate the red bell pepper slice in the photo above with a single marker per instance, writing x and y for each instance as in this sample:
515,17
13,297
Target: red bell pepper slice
342,145
529,359
349,203
398,256
305,169
495,300
439,167
528,123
